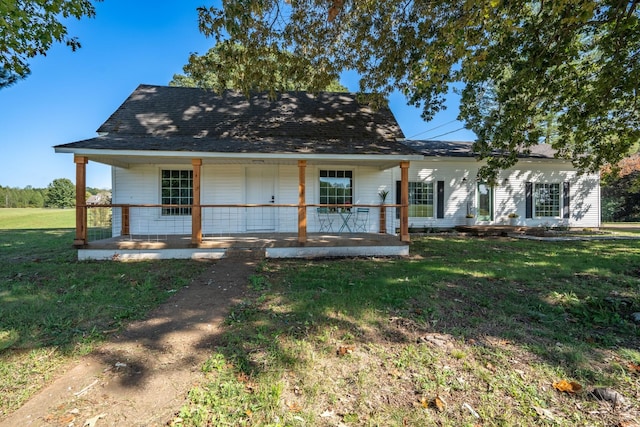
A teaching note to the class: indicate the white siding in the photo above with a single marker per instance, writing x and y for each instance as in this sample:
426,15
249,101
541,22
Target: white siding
226,184
141,185
223,185
460,190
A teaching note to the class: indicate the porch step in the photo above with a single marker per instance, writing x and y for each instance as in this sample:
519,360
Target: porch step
245,253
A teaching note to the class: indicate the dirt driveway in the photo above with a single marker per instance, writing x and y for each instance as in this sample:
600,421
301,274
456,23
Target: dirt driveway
141,377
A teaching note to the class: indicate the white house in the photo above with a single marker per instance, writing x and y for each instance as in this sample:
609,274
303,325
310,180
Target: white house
189,162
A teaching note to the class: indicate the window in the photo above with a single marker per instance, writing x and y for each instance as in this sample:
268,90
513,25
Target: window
177,189
547,200
336,187
421,199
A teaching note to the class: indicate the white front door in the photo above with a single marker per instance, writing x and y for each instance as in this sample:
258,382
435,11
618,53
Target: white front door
261,185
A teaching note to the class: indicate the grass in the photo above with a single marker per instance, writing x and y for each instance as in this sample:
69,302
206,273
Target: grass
467,332
54,308
464,327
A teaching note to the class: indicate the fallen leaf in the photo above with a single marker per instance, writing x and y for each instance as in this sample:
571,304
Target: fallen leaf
345,349
395,373
294,407
67,419
567,386
634,367
439,404
424,402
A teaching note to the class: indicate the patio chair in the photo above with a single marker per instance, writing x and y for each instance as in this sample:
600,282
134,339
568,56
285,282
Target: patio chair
361,220
324,219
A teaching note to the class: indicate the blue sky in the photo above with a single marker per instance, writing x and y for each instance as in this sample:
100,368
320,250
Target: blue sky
70,94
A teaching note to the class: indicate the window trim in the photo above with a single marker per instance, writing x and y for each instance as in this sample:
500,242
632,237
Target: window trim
557,200
176,211
347,173
434,198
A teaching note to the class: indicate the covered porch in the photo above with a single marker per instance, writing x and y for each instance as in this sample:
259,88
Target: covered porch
296,230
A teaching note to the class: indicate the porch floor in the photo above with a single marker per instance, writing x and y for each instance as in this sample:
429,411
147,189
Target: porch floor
270,245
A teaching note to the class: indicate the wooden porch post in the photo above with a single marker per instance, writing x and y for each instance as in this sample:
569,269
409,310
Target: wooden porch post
125,221
302,203
196,210
81,201
404,201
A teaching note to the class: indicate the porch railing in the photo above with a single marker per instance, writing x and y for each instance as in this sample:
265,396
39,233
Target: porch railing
157,222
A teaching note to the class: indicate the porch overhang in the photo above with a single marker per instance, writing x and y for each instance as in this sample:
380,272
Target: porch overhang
127,158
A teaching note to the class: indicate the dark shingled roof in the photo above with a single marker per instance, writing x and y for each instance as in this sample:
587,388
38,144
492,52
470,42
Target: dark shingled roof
190,119
465,149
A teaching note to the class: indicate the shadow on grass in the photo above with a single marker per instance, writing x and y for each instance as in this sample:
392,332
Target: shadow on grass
564,302
53,307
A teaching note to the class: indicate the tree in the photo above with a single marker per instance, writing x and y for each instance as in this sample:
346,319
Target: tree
621,190
563,71
61,193
273,70
29,28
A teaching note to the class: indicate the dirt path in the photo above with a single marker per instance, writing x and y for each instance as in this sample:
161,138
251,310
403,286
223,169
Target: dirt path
141,377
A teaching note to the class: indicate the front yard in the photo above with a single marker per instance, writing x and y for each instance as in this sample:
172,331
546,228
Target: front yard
467,331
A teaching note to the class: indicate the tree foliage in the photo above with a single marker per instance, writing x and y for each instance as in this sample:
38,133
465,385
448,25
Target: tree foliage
621,190
29,28
61,193
564,71
27,197
228,66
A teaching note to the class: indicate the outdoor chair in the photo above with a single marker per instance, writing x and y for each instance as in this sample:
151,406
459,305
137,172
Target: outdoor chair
324,219
361,220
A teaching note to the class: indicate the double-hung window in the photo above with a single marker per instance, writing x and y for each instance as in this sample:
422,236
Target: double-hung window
176,188
547,200
421,199
336,187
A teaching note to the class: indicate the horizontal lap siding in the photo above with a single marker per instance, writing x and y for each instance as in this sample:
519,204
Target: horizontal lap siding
223,184
457,191
509,193
584,208
141,185
367,183
287,193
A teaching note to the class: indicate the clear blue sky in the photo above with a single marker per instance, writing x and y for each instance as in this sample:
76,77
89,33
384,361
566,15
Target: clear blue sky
70,94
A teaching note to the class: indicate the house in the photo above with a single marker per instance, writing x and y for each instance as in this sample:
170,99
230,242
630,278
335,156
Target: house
189,162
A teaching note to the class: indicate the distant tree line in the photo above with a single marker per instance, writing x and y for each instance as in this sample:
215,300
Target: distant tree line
60,193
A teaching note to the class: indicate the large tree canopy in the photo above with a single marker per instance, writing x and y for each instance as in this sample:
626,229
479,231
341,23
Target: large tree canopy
563,71
29,28
225,66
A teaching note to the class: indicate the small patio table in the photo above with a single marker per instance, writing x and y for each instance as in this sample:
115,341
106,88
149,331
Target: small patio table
346,216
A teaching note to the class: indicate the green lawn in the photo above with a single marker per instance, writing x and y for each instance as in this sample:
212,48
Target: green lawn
31,218
468,332
54,308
